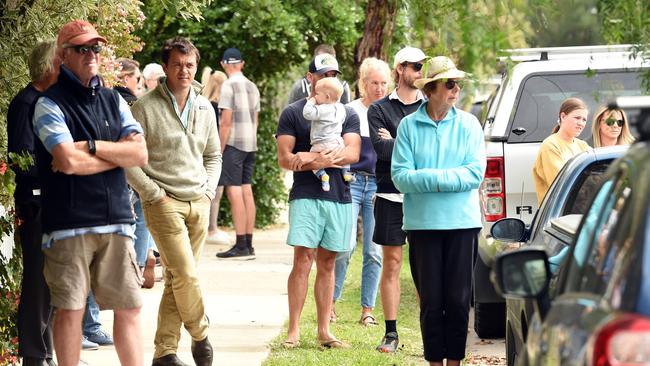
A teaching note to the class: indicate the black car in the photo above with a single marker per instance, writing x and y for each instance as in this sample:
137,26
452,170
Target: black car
599,311
552,228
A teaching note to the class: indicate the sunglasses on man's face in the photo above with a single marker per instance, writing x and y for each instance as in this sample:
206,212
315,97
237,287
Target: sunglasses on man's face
417,66
610,122
450,84
84,49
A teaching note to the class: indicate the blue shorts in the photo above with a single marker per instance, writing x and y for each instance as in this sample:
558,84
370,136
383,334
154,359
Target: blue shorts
320,223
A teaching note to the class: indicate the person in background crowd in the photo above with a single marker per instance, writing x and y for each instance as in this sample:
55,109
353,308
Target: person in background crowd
240,107
320,221
130,77
374,75
34,310
562,145
212,81
302,88
610,127
439,162
152,74
176,188
383,118
90,245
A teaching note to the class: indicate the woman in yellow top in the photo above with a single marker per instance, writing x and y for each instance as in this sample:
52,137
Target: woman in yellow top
610,127
561,146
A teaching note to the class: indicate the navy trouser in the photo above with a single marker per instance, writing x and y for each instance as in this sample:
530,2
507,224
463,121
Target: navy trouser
441,266
34,310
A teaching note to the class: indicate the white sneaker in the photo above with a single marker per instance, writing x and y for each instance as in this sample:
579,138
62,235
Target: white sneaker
221,237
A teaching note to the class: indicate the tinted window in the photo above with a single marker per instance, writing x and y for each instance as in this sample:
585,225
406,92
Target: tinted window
584,189
596,250
540,98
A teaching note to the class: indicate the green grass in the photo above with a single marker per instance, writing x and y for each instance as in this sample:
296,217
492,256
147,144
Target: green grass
362,339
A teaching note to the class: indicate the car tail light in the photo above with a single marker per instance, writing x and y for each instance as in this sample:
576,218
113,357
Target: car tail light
624,341
493,190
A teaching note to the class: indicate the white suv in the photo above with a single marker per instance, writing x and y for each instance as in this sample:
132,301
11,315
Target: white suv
521,114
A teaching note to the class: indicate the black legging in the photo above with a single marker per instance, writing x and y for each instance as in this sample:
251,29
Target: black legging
441,266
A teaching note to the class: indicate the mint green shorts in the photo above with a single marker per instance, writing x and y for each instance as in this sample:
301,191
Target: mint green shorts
320,223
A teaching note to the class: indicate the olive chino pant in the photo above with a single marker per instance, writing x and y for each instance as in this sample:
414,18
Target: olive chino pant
179,229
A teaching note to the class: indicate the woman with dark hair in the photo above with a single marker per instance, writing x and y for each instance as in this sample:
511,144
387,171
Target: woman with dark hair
562,145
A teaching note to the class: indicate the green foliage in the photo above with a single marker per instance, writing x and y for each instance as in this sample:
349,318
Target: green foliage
558,23
469,32
628,21
276,38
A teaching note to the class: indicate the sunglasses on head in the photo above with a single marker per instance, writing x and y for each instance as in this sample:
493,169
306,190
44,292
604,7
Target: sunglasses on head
610,122
84,49
417,66
450,84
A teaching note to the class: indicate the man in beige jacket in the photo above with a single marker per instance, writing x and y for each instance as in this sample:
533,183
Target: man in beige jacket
176,188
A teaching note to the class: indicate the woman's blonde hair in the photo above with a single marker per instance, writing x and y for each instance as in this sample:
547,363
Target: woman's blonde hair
212,81
369,65
625,138
569,105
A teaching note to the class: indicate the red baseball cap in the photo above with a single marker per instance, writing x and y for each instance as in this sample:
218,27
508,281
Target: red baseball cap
78,32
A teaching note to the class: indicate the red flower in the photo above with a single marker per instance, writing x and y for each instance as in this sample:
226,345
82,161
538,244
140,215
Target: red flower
3,168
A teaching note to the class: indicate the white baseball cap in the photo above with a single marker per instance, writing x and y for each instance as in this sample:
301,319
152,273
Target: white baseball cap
408,54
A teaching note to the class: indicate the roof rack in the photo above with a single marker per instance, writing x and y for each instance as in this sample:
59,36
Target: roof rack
547,53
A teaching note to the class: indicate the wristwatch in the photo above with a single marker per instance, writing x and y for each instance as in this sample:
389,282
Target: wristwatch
92,148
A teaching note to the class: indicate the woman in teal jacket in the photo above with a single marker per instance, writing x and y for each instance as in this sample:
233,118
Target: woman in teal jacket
438,163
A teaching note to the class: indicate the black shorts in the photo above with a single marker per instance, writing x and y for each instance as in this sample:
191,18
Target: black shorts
237,167
388,223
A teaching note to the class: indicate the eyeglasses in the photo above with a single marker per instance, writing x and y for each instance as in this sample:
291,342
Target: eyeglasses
610,122
450,84
415,65
84,49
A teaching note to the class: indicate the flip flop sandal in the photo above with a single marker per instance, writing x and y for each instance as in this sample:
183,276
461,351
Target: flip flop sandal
333,343
368,320
389,343
290,344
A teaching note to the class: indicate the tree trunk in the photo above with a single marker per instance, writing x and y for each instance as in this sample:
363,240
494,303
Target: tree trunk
377,32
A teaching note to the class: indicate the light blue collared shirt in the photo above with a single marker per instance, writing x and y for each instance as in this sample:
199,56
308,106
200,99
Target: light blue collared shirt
185,113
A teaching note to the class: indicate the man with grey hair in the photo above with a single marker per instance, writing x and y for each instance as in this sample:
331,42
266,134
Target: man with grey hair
34,310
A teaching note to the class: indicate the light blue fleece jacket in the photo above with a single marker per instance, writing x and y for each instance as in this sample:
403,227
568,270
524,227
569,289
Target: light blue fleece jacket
439,167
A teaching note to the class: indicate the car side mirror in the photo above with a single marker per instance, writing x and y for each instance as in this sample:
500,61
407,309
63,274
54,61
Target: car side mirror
524,274
509,230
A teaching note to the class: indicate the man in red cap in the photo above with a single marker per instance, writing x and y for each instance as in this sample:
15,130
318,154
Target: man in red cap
87,136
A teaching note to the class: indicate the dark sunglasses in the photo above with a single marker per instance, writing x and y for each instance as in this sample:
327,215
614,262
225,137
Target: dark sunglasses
83,49
450,84
610,122
415,65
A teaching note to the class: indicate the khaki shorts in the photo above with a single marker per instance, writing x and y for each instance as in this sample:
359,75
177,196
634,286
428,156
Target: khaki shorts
105,262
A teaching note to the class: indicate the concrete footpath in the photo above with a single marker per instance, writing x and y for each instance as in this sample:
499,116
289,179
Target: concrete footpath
245,300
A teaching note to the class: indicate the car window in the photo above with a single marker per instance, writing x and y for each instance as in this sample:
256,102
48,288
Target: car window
582,192
541,95
595,252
